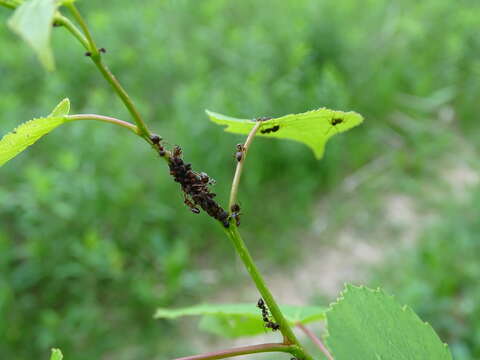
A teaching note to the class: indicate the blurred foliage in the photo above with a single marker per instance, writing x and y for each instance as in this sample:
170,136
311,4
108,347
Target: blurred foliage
439,277
94,234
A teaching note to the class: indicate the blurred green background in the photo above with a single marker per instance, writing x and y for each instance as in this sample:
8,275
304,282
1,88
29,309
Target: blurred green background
94,234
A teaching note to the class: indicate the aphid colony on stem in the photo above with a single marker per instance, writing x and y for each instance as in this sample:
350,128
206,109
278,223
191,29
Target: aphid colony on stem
266,316
194,185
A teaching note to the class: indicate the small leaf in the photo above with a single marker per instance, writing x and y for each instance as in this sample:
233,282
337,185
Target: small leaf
28,133
234,320
369,325
62,109
56,355
313,128
32,21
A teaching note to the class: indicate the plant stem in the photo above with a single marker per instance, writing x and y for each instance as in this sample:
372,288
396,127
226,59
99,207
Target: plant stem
252,349
239,169
91,43
287,332
65,22
315,340
108,119
111,79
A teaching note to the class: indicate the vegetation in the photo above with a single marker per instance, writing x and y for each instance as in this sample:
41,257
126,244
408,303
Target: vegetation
80,258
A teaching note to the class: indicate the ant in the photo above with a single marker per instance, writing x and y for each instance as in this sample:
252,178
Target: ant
334,122
240,152
266,316
272,129
236,215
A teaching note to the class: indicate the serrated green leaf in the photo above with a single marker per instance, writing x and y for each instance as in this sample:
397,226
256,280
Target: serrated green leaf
313,128
32,21
234,320
28,133
56,355
370,325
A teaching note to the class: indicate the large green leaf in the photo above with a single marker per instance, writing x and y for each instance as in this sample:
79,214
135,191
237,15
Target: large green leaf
28,133
370,325
313,128
32,20
234,320
56,355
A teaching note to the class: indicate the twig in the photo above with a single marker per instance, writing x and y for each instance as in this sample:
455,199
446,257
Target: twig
315,340
111,79
239,169
252,349
108,119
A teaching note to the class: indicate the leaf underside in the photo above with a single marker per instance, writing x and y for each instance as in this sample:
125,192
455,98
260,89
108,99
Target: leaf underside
313,128
32,21
28,133
236,320
370,325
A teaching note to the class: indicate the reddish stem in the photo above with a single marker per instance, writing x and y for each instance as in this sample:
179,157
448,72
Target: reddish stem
316,341
251,349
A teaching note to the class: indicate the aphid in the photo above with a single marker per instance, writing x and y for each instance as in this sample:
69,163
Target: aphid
102,50
155,139
177,151
191,205
235,209
88,53
239,152
334,122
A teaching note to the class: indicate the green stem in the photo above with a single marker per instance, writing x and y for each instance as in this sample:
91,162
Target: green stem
108,119
91,43
65,22
289,337
107,74
252,349
239,169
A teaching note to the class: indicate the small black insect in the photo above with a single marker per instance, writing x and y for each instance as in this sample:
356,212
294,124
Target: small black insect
155,139
177,151
334,122
239,153
191,205
88,53
266,316
269,130
273,325
235,209
102,50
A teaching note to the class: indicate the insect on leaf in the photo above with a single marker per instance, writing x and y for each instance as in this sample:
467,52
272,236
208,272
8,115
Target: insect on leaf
32,21
313,128
235,320
56,355
370,325
28,133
